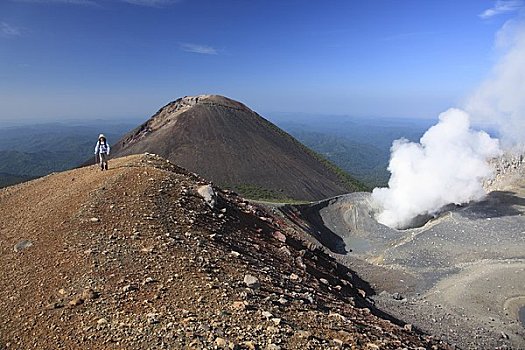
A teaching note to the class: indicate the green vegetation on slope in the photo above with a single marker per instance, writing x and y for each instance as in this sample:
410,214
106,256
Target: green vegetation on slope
358,145
364,162
259,193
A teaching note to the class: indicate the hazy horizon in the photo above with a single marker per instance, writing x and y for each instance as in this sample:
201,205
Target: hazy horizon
274,117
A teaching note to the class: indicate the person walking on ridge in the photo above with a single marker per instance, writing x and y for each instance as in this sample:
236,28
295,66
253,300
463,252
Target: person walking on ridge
102,152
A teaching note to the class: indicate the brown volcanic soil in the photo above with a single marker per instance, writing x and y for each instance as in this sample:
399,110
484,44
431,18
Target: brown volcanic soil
226,142
134,258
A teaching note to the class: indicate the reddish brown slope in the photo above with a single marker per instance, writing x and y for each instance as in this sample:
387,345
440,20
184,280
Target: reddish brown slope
226,142
133,258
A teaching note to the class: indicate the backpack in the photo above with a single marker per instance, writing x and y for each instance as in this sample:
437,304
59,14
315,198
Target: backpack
102,147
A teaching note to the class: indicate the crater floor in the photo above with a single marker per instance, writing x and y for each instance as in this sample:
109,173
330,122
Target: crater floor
461,276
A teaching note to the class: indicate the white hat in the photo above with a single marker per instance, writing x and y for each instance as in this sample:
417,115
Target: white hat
101,136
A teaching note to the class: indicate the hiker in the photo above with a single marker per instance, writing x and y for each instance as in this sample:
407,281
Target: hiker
102,152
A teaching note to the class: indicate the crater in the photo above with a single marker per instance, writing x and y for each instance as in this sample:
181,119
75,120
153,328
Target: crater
521,315
417,222
421,220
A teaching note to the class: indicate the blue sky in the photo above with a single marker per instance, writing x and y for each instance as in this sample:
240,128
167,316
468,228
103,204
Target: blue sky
127,58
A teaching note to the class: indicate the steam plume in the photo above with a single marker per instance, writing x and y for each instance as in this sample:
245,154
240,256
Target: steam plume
447,166
449,163
500,100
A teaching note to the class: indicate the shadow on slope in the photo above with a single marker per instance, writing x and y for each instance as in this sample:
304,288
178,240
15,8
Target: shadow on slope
315,225
496,204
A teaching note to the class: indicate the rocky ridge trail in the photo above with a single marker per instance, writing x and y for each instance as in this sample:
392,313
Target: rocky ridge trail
150,256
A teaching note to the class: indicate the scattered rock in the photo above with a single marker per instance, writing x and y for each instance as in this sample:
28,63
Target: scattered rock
397,296
94,220
208,193
250,345
278,235
220,342
76,301
129,288
239,305
89,294
204,297
102,321
304,334
153,318
338,342
147,249
251,281
267,315
53,306
285,250
282,301
149,280
300,263
23,244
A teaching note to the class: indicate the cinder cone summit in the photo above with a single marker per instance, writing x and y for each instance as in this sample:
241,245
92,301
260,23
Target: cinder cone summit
231,145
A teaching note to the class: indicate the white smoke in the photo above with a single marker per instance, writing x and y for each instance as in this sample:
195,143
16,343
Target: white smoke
446,166
449,163
500,100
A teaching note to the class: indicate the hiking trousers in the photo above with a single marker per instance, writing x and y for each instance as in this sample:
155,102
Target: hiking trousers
103,161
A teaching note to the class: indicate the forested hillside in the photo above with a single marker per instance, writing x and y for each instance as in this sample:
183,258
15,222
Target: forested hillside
360,146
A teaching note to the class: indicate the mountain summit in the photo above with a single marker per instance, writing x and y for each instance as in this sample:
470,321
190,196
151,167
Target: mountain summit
228,143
